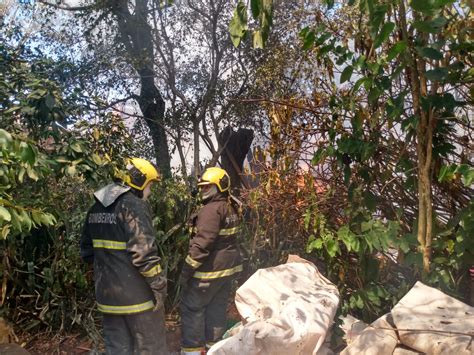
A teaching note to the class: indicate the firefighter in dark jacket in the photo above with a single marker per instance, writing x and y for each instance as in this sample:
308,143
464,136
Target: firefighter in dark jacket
119,240
213,261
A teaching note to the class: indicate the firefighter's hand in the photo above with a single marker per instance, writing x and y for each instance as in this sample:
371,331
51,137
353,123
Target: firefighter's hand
159,299
158,288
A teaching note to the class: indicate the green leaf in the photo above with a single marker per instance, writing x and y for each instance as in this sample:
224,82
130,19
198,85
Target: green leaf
429,7
325,49
5,231
48,219
446,172
238,24
387,28
50,101
425,6
346,73
397,49
321,39
348,238
374,94
4,214
332,247
466,172
437,74
255,7
5,138
75,146
370,200
15,221
377,14
307,36
329,4
71,170
61,159
11,109
431,26
368,83
32,174
430,53
257,39
360,82
36,216
318,156
26,220
27,154
21,175
347,175
314,244
96,158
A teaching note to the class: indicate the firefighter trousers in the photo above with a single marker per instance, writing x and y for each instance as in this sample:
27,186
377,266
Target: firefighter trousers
137,334
204,312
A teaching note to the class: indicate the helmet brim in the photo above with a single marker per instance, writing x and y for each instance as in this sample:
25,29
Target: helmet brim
204,183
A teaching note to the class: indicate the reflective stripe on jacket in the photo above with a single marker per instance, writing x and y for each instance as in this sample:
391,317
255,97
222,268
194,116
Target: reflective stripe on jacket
213,247
121,239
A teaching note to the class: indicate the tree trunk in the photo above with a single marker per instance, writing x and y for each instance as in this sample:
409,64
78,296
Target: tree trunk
197,167
136,35
153,110
236,146
424,135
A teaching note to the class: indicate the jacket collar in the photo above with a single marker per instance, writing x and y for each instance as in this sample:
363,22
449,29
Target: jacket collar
217,197
110,193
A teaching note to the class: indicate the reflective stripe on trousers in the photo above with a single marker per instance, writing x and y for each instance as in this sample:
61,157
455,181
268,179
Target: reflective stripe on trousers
129,309
217,274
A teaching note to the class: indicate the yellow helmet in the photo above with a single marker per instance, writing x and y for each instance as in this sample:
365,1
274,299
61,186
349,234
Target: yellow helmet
216,176
140,172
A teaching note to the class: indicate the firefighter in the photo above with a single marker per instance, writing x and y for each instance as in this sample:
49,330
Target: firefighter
119,240
213,261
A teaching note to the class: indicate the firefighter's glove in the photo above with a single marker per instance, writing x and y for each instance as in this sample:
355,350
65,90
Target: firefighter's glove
158,287
185,276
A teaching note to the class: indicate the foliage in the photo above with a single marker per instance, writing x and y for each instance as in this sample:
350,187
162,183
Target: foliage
43,198
369,145
172,205
262,12
365,106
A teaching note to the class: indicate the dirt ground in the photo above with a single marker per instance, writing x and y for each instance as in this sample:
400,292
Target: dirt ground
74,344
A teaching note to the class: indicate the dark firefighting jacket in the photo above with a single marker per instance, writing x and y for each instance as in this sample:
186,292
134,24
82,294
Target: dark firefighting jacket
213,247
119,236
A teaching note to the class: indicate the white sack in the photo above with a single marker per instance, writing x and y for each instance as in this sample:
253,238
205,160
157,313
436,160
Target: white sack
352,328
287,309
426,308
373,340
404,351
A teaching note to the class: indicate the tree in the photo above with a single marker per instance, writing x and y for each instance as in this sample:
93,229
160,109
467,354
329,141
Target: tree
133,39
46,175
384,132
183,57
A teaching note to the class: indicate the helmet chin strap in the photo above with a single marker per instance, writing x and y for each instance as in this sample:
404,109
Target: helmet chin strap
208,193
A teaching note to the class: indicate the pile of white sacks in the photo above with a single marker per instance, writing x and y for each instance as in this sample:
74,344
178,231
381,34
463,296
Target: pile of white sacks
425,321
289,309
